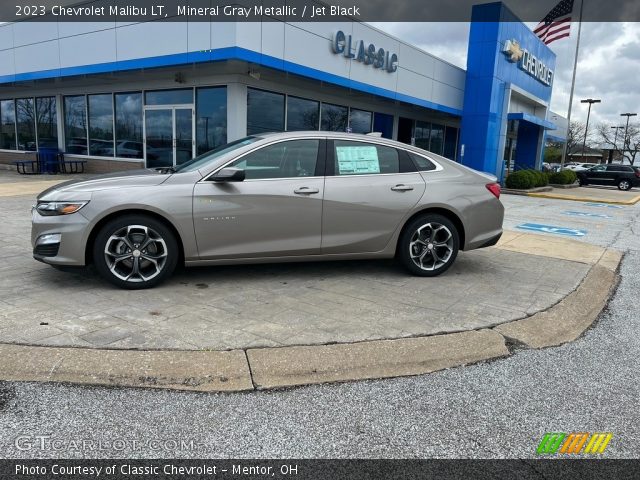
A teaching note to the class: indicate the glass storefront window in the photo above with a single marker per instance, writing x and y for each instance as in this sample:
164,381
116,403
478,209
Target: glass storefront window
7,125
169,97
128,113
334,118
437,138
75,125
211,118
265,111
450,142
26,123
302,114
101,125
360,121
421,134
47,122
383,123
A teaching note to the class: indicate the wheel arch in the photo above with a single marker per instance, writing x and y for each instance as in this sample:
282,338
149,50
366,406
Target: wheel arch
455,219
88,253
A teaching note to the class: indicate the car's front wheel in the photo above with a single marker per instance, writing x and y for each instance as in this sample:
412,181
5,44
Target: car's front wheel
135,252
429,245
581,181
624,184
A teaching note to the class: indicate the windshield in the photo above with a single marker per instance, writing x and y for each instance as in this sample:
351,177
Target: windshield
200,160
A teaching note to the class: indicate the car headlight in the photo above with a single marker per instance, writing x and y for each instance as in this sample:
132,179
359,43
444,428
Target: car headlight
49,209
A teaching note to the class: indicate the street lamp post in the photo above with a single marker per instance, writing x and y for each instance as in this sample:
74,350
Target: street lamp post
590,101
626,131
615,139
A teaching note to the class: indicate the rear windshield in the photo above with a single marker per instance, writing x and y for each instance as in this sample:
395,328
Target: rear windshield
211,155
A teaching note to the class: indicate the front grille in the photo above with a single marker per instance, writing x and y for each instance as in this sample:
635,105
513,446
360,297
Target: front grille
47,250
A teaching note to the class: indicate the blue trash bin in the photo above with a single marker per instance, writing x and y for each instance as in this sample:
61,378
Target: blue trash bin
48,160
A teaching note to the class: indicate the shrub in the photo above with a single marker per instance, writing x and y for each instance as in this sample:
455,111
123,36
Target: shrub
525,179
563,177
521,180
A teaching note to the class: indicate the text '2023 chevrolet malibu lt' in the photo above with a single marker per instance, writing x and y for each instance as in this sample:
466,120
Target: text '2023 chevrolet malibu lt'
295,196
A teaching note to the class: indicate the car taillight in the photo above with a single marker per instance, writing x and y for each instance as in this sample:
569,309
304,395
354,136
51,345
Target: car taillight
494,188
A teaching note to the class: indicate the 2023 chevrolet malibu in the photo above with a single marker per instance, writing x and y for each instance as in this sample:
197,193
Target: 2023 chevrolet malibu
294,196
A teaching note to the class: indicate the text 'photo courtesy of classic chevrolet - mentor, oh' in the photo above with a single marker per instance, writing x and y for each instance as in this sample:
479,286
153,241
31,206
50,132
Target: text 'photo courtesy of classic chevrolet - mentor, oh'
296,196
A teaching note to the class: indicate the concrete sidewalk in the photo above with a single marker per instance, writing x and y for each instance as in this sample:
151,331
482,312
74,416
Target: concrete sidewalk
593,194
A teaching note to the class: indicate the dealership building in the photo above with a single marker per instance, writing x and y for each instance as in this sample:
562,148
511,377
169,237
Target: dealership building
129,95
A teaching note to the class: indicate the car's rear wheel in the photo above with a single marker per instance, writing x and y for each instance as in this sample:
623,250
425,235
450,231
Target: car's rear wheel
624,184
429,245
135,252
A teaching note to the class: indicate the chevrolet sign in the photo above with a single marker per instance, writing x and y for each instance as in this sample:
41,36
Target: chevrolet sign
528,62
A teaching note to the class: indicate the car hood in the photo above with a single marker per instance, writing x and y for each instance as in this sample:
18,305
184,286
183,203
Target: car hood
81,188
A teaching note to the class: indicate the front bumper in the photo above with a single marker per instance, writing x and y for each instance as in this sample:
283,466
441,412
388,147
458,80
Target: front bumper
59,240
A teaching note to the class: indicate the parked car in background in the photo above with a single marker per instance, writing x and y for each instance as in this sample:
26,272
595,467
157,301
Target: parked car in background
579,167
622,176
294,196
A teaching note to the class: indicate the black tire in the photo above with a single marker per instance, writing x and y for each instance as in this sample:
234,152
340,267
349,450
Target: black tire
155,262
418,235
581,181
624,184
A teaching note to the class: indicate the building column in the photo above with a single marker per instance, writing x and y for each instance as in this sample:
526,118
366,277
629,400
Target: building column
236,111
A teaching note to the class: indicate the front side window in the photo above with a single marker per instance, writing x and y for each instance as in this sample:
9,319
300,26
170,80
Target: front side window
75,125
7,125
101,125
128,113
359,158
47,122
26,123
265,111
295,158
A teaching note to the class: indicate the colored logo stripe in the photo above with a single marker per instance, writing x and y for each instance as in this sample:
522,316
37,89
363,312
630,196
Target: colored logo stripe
573,443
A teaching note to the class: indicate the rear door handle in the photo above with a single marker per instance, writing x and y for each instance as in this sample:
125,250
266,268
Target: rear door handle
401,188
306,191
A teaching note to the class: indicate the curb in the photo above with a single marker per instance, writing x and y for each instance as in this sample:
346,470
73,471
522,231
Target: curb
557,196
269,368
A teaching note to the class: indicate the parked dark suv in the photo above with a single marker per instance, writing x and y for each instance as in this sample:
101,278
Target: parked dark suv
622,176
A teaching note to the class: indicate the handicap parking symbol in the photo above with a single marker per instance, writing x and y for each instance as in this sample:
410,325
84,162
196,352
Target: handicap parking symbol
586,214
536,227
603,205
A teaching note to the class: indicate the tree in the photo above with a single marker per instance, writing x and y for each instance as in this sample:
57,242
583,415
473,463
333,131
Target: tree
626,145
575,137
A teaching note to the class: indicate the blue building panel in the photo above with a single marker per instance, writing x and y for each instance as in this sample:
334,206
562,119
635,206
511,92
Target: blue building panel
500,49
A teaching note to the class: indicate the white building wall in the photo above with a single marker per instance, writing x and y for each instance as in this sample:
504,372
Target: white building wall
29,48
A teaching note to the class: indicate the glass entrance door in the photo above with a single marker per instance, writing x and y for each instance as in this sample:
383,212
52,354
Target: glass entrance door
168,136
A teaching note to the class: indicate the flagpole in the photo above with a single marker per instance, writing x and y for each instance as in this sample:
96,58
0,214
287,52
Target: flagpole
573,84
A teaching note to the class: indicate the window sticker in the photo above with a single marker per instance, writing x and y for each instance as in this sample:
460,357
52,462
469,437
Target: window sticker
357,160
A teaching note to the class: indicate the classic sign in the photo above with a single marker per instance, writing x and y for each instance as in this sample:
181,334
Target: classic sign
369,55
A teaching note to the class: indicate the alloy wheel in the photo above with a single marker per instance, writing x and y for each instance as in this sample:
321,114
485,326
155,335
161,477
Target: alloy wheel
431,246
135,253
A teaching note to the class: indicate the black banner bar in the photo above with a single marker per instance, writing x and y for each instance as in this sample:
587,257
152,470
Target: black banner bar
296,10
583,469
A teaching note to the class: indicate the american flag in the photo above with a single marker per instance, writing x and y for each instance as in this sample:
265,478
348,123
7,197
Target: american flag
556,24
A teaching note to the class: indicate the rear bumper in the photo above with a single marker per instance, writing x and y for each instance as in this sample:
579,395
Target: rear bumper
491,241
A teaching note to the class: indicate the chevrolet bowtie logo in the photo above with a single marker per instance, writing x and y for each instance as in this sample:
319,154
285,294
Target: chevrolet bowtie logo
512,50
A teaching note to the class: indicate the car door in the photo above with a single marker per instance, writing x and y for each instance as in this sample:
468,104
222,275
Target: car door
369,189
597,175
275,211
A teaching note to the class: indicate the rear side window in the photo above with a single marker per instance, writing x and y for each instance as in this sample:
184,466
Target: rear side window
422,164
360,158
618,168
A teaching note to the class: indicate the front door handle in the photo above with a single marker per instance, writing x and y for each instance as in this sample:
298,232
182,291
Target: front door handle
401,188
306,191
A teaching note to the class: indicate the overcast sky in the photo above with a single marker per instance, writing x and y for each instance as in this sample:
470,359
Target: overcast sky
608,64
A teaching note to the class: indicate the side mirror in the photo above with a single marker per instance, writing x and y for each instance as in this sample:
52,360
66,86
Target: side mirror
229,174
